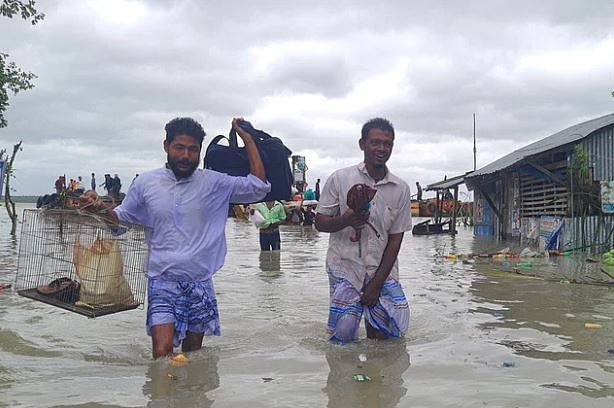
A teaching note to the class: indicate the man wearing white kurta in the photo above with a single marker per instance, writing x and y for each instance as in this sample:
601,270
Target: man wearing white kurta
365,279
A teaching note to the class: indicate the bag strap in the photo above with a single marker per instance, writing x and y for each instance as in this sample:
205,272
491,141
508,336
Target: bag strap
213,142
232,139
257,135
216,140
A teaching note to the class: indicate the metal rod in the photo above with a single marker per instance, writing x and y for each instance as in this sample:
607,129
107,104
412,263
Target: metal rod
474,149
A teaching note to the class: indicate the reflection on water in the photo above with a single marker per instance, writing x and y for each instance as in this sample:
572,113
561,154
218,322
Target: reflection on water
593,389
186,385
269,263
547,317
382,362
480,335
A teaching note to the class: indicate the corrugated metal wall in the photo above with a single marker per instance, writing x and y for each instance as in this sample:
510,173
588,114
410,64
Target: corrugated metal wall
593,233
600,146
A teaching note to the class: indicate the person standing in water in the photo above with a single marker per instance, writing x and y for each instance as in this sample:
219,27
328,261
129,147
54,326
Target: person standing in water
366,281
274,214
185,210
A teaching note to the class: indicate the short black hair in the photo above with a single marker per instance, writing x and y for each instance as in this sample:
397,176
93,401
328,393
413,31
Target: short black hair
184,126
376,123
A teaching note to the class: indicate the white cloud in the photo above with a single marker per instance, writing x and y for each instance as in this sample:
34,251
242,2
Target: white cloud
112,73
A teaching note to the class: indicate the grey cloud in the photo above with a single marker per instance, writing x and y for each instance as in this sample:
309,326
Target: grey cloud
105,90
305,73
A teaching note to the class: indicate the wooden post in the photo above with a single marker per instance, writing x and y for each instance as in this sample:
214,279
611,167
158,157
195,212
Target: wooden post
453,224
436,218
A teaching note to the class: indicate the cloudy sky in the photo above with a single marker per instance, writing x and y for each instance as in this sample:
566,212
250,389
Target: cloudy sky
112,73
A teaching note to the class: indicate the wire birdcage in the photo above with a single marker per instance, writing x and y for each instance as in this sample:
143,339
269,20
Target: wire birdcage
78,262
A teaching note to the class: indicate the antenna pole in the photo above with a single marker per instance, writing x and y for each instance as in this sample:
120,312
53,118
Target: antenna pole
474,149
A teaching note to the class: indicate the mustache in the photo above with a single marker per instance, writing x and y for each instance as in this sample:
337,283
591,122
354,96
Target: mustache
186,162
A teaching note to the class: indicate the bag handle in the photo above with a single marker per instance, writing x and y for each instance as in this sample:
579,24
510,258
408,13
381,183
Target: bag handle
257,135
232,139
213,142
232,136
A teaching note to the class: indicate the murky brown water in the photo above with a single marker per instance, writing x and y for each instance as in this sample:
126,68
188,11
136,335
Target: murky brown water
479,336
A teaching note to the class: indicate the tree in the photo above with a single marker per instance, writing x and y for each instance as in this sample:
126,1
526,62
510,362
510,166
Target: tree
12,78
8,173
10,8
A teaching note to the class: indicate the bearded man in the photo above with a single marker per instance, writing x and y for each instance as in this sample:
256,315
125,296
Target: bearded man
185,210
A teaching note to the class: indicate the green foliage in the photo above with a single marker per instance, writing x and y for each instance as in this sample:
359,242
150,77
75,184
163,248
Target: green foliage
27,11
12,78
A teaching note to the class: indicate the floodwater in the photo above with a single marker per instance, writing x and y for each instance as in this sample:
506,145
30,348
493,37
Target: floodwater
479,336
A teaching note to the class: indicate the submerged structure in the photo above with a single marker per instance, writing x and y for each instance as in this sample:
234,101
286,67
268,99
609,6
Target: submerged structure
445,204
556,193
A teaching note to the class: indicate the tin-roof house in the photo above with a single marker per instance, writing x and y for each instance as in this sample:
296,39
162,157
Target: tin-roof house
557,192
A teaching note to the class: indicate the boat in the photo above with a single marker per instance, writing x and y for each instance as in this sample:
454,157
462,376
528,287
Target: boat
430,228
430,207
70,200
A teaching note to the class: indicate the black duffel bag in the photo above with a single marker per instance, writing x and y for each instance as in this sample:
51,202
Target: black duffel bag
232,160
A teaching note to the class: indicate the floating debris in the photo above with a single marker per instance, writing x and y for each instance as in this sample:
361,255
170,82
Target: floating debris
361,378
525,265
179,359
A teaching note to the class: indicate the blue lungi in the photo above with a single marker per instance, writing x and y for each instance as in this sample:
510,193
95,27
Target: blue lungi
191,306
390,315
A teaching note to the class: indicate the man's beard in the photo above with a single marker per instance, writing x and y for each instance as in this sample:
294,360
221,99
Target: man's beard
179,174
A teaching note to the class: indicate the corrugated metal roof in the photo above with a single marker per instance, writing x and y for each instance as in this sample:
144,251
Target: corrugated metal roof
448,183
569,135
